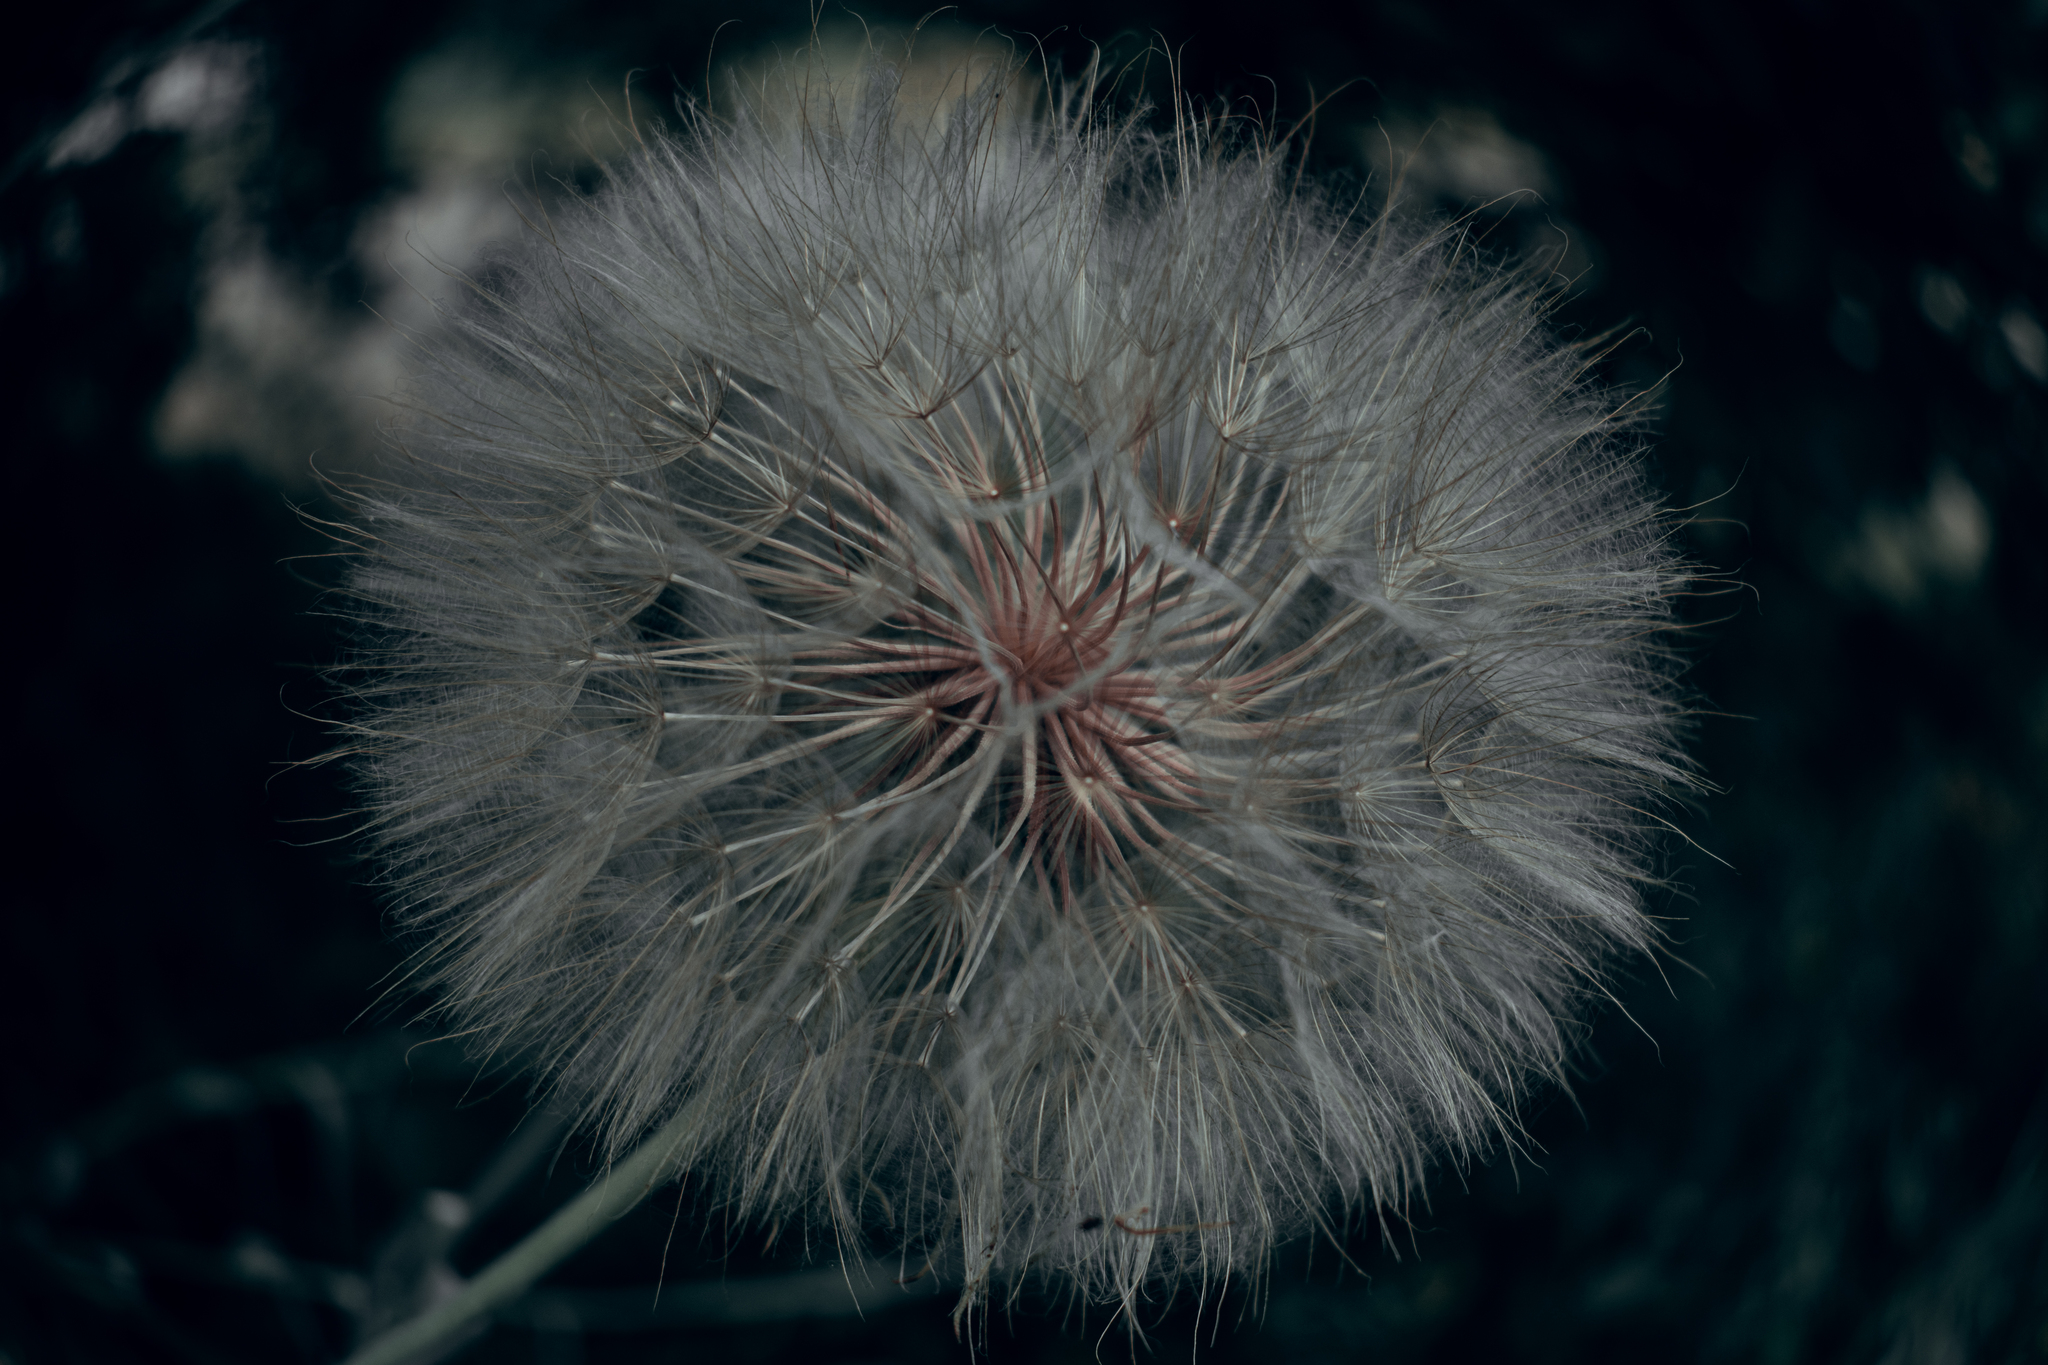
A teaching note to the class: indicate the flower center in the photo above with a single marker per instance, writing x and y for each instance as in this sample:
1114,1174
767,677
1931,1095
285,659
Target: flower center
1015,675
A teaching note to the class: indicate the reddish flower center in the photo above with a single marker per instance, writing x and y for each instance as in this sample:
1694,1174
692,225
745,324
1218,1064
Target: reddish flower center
1016,674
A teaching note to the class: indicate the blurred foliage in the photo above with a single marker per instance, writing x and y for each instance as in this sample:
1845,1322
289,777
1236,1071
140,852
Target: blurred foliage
1814,1133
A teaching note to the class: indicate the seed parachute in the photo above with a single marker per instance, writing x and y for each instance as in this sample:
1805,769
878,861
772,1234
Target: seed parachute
1086,704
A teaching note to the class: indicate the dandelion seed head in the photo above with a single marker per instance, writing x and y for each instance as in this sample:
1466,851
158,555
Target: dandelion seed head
1097,705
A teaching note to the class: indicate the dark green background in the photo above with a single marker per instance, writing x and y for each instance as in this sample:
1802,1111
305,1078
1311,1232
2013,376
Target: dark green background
1824,1142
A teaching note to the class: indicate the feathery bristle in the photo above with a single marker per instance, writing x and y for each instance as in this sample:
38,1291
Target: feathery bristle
1092,702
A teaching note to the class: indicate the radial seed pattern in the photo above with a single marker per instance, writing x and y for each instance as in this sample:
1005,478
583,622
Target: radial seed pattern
1085,704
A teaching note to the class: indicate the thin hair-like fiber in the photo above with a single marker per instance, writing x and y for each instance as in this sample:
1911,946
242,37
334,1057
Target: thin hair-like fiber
1098,706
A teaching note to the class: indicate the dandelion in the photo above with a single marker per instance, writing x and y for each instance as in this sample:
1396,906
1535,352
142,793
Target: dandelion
1074,704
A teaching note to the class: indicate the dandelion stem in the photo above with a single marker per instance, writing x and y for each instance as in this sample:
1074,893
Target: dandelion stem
610,1197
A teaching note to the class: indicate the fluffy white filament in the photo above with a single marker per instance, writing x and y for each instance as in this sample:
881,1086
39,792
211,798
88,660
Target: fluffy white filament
1094,706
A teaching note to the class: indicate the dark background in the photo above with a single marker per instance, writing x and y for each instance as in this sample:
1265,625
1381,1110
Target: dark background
1819,1138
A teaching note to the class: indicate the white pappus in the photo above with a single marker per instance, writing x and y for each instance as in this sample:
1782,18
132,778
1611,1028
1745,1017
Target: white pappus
1089,705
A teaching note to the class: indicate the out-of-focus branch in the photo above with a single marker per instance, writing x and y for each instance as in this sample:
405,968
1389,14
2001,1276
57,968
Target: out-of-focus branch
613,1194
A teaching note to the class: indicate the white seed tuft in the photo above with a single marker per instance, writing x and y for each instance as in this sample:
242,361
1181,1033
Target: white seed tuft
943,632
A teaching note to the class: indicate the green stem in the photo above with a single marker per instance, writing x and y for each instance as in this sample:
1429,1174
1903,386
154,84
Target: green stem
610,1196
